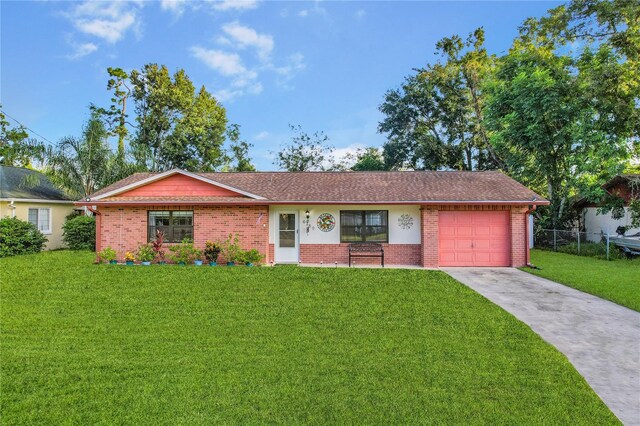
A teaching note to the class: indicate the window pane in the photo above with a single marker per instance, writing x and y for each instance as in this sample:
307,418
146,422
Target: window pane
288,238
159,218
287,222
182,218
176,225
43,220
368,225
33,216
351,218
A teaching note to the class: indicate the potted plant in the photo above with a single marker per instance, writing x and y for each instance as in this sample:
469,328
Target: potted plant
129,258
184,252
211,252
158,249
198,257
231,249
252,257
145,254
108,255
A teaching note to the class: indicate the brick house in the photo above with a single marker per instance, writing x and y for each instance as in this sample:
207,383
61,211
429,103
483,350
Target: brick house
422,218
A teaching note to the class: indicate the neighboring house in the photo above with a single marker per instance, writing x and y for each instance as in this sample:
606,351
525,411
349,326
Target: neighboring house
30,196
426,218
596,224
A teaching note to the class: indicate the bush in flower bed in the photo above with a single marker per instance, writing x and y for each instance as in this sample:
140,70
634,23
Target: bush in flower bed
145,253
108,255
185,252
212,252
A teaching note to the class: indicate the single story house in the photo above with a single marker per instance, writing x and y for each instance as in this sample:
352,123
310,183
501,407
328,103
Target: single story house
596,224
30,196
422,218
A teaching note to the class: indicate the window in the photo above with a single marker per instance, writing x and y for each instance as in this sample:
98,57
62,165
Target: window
357,226
176,225
41,218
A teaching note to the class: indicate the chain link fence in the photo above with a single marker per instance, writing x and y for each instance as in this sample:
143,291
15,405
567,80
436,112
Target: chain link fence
579,243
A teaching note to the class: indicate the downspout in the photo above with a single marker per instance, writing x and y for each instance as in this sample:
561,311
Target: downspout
98,216
526,235
12,206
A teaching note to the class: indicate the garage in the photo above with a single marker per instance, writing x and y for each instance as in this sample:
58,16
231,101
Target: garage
474,238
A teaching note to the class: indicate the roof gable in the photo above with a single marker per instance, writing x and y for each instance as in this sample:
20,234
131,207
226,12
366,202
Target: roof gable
175,183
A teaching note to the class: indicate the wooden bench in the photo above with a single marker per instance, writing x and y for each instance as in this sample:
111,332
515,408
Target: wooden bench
366,250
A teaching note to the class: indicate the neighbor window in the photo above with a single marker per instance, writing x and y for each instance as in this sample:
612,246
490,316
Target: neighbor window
358,226
176,225
41,218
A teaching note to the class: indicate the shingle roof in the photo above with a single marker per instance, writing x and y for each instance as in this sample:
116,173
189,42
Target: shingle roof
361,187
20,183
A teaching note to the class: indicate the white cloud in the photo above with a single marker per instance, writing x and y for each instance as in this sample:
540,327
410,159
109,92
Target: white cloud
81,50
360,13
235,4
315,10
261,136
303,13
106,20
294,64
227,64
177,7
248,37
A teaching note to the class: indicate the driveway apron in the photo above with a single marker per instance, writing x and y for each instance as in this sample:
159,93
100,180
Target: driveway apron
600,338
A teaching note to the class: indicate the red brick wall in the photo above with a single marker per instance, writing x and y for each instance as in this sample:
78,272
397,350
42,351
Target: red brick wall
124,228
519,246
429,225
394,254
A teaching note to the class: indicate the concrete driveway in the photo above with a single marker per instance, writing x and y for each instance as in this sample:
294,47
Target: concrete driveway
601,339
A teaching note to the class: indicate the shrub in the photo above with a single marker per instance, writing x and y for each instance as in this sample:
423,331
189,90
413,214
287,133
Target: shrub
231,250
184,252
19,237
252,256
80,233
212,251
145,253
129,257
157,245
107,254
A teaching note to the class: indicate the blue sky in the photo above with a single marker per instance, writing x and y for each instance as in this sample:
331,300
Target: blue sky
324,65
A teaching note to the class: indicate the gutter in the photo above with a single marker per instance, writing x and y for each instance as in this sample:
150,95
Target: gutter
302,202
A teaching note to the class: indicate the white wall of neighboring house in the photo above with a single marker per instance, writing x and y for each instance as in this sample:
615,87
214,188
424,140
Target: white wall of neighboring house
597,224
402,229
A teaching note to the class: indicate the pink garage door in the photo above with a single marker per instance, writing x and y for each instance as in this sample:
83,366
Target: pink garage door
474,238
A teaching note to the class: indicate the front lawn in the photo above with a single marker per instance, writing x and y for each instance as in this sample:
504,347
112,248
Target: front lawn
616,280
86,344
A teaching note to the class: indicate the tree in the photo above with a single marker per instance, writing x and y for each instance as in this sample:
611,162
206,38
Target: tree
305,152
116,115
16,149
557,122
436,119
239,151
81,166
368,159
176,127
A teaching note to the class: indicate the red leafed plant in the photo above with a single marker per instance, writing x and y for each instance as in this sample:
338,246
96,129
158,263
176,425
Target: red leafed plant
157,243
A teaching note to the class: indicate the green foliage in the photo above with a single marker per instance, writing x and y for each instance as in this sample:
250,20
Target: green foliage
81,166
369,159
274,345
79,233
231,249
176,127
116,115
612,280
305,152
252,256
19,237
212,251
435,120
185,252
239,151
158,245
145,253
107,254
16,149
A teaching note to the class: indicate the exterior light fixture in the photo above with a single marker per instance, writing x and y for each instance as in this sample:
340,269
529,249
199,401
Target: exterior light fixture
88,199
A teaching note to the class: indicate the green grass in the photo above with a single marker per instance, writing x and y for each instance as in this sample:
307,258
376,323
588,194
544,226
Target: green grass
617,280
85,344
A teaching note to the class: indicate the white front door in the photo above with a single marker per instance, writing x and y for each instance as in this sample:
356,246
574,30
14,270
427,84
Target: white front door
287,238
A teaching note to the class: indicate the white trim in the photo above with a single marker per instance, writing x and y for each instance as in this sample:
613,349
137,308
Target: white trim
36,200
172,172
